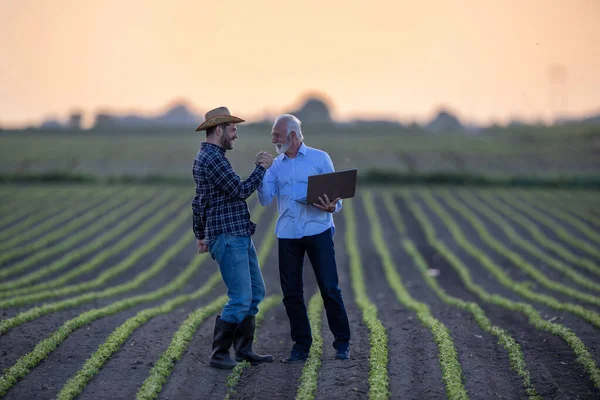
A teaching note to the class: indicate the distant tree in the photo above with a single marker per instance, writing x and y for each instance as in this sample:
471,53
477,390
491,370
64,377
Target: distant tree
414,126
104,120
51,124
314,110
444,121
516,123
75,120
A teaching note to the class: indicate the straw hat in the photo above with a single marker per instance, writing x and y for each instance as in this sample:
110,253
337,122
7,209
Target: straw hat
216,117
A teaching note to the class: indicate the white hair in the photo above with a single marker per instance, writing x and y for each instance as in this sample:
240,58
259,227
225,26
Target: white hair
293,124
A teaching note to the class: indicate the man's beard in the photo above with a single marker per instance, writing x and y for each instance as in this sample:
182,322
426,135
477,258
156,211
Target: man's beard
282,148
226,143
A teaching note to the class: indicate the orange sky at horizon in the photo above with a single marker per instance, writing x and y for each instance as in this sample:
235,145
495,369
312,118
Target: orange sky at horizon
487,61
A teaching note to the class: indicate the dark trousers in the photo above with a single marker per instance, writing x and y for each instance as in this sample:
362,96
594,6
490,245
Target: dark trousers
321,254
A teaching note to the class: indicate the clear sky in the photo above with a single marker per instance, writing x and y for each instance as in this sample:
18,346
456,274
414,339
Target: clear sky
486,60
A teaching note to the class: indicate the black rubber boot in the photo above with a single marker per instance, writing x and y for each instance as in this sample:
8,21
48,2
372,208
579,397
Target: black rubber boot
242,343
222,340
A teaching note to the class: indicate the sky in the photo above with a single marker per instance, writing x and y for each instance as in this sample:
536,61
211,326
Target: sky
487,61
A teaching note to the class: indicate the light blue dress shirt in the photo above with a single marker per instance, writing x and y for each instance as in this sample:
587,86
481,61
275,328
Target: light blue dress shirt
287,181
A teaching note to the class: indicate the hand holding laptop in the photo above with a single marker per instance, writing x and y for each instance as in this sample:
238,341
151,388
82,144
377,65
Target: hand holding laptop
326,205
335,185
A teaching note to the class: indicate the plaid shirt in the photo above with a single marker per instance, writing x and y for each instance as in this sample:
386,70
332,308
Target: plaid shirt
220,202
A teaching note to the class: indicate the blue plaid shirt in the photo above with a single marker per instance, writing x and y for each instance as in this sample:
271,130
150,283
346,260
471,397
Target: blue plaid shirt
220,202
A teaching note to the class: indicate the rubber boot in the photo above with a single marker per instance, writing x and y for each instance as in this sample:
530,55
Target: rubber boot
242,343
222,340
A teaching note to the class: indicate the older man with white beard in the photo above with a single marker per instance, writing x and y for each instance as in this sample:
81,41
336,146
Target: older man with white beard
300,229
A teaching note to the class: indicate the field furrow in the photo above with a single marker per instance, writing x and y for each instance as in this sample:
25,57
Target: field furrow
561,231
554,245
310,371
551,204
582,354
515,353
452,373
516,259
378,359
121,333
163,367
451,292
116,339
236,374
527,245
563,218
522,289
47,220
71,254
18,209
111,272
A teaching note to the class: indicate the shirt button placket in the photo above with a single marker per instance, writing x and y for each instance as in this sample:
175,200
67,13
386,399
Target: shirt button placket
293,180
294,191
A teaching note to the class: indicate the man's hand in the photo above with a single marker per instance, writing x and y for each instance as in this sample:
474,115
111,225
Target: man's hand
202,247
263,158
326,205
259,157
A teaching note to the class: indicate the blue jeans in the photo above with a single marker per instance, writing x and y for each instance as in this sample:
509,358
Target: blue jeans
236,256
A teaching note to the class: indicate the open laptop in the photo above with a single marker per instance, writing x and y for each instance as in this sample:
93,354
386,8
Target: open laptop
336,184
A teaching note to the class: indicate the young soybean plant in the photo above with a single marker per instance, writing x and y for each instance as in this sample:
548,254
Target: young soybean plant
583,355
515,354
448,356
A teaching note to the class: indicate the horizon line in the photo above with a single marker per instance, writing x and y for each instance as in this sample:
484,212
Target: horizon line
401,118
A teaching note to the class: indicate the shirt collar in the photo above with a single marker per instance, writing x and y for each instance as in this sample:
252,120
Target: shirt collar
211,146
301,150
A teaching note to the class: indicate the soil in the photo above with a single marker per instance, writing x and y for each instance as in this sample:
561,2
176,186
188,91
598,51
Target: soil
414,369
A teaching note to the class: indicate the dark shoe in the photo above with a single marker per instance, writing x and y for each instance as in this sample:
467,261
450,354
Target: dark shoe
222,340
342,353
295,357
242,343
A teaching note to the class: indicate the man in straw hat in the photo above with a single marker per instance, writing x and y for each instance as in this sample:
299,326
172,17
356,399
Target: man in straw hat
304,229
223,228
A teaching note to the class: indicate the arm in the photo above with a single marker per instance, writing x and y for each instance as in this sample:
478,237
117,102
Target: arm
268,187
327,167
198,205
199,224
199,219
224,178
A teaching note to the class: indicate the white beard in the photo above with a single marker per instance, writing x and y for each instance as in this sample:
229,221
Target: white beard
282,148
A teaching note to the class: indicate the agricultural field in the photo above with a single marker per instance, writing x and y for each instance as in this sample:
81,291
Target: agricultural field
525,151
451,293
